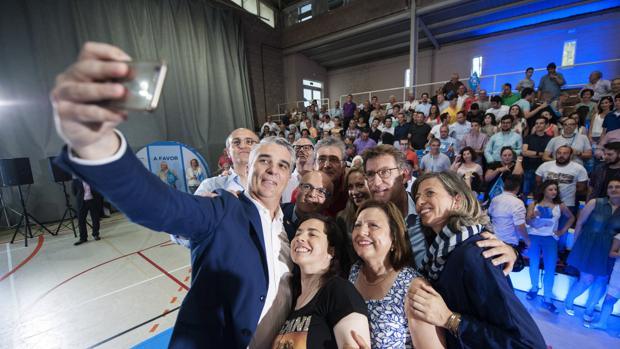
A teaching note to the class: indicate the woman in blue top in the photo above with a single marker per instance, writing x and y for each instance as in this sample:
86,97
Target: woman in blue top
383,277
167,175
468,295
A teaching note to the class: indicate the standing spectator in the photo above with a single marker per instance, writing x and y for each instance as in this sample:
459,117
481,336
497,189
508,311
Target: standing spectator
497,108
508,98
613,290
88,200
460,128
605,171
489,125
551,82
434,161
503,139
424,105
527,81
419,131
497,172
507,213
451,87
475,139
526,101
582,149
571,176
348,109
599,86
483,101
364,141
598,222
534,146
543,218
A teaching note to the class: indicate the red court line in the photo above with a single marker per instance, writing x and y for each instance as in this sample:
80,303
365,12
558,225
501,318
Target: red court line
154,328
34,252
91,268
163,271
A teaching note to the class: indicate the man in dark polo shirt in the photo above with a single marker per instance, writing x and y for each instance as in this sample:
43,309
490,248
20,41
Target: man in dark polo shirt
610,168
419,131
532,150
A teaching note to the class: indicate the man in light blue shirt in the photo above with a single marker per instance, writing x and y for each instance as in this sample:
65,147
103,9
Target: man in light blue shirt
424,106
551,82
502,139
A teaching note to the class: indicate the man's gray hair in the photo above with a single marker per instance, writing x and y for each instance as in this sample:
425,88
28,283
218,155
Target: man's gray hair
330,142
272,140
229,138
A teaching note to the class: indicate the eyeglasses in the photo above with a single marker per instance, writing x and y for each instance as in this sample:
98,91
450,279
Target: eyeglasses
236,142
383,173
323,160
307,147
308,188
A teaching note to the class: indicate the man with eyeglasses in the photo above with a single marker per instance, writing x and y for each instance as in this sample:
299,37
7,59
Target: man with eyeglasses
329,159
238,146
582,149
313,196
386,174
304,157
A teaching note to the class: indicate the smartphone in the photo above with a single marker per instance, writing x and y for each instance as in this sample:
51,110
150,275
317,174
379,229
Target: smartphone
144,84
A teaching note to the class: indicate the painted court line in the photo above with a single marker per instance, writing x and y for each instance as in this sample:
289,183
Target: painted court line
163,271
22,263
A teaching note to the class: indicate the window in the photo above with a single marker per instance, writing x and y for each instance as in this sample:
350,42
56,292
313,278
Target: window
476,66
407,78
238,2
312,90
305,12
266,14
568,54
250,6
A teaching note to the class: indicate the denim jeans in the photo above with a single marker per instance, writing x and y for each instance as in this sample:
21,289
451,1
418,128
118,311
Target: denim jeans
548,245
529,182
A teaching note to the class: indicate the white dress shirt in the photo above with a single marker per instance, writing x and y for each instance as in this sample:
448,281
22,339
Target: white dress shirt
507,212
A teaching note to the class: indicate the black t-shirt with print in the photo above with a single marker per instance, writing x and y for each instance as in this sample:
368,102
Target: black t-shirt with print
312,326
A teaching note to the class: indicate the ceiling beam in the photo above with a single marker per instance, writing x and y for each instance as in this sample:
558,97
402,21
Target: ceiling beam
340,50
489,11
428,33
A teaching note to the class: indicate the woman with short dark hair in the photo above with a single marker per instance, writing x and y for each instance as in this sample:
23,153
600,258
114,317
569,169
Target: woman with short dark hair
468,295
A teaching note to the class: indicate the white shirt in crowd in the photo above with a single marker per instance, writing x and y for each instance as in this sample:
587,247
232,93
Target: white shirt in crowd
460,100
567,176
498,112
507,212
410,105
290,187
546,226
577,141
278,300
232,182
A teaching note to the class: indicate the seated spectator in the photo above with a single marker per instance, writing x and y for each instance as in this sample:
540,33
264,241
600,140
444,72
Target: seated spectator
596,121
518,125
265,132
460,128
434,161
598,223
410,104
442,103
597,85
419,131
497,172
582,149
443,122
497,108
534,146
586,101
449,145
475,140
483,101
474,112
377,114
605,171
352,131
465,165
452,110
552,129
273,126
365,111
424,105
329,307
507,213
403,128
387,126
375,131
383,276
410,154
489,125
451,87
615,87
551,82
432,118
612,121
526,104
390,106
508,98
364,142
506,137
336,111
326,124
461,97
357,162
544,229
526,82
349,153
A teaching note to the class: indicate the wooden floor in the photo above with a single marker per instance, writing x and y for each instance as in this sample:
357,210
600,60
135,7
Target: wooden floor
56,295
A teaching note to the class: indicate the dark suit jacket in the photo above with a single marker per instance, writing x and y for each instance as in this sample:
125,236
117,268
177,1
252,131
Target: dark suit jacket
78,191
290,224
229,268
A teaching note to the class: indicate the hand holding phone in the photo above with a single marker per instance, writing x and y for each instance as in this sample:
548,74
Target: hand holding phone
143,85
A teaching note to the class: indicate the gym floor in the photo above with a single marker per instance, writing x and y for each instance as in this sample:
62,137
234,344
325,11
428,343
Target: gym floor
113,293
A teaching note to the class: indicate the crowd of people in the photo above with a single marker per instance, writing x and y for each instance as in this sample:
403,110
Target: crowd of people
373,226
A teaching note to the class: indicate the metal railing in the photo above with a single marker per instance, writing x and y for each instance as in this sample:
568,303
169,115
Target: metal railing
487,82
284,108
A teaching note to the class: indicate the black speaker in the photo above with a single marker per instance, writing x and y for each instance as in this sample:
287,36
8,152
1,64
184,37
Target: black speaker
15,172
58,174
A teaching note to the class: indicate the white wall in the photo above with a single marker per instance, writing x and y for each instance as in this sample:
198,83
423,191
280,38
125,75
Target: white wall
514,51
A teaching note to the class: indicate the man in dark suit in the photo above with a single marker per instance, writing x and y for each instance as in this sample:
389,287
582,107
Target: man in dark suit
240,294
91,201
314,194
